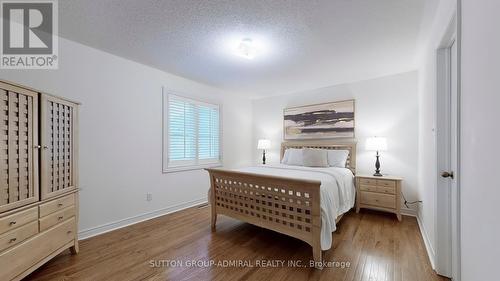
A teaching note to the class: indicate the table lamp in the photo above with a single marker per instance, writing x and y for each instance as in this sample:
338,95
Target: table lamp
376,144
264,144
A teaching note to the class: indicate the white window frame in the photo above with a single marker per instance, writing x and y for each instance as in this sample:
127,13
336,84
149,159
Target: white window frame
201,164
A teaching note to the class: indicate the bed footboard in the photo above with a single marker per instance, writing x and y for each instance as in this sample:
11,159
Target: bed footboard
289,206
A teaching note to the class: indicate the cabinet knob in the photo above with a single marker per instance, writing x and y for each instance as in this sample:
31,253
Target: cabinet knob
45,147
37,146
12,222
60,218
12,240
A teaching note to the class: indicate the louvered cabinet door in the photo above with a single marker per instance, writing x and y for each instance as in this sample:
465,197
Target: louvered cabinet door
18,147
59,153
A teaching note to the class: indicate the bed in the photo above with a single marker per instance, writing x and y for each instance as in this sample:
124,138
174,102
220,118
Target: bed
301,202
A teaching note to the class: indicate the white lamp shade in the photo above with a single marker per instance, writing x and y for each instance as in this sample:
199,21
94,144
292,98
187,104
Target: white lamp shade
376,144
264,144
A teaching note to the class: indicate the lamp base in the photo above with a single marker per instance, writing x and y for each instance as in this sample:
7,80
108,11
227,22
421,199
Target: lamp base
377,167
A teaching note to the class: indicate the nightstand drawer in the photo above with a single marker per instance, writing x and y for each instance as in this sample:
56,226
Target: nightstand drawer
368,181
386,189
387,183
378,200
367,188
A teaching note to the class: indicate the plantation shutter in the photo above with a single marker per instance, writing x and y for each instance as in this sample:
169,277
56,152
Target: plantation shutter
193,132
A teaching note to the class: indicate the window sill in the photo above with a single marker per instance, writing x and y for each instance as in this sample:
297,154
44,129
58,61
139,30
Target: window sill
190,168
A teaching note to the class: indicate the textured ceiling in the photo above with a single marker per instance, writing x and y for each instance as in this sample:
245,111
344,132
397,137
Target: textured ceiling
303,44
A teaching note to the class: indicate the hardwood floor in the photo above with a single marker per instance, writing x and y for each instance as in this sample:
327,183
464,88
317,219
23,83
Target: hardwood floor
376,246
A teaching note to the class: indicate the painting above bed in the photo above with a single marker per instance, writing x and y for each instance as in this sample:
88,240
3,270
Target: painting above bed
319,121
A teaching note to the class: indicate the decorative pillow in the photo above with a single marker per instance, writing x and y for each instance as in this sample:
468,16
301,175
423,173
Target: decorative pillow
315,157
337,158
293,156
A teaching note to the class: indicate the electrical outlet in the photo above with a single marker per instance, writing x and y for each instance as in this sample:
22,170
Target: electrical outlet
149,197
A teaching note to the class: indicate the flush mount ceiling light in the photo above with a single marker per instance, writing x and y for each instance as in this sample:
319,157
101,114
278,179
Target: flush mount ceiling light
247,49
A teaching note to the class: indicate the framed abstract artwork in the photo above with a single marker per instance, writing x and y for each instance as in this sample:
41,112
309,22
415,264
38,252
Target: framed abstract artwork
319,121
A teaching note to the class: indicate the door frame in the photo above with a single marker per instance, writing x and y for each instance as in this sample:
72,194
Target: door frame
447,202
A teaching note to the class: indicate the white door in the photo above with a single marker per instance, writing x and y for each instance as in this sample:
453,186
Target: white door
454,154
447,207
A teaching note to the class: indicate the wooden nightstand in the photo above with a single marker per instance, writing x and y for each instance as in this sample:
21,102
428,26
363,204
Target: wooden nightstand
379,193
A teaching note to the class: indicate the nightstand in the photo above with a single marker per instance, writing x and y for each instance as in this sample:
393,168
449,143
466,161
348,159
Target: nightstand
379,193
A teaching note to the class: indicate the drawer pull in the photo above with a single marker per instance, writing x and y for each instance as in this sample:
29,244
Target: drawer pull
12,222
60,218
12,240
60,205
69,232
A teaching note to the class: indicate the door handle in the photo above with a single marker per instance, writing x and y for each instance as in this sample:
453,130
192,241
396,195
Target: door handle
447,175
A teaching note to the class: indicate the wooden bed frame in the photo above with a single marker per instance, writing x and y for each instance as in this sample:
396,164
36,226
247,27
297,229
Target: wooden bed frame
286,205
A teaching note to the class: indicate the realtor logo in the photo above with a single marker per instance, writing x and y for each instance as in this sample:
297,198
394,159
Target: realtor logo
29,35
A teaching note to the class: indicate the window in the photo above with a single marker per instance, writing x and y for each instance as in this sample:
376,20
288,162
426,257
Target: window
192,134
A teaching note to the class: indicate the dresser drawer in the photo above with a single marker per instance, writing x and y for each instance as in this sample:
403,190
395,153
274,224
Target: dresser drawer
18,219
56,205
18,235
378,200
386,189
367,187
35,249
57,217
368,181
386,183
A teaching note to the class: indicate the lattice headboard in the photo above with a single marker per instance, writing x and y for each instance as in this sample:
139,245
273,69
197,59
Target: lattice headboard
345,145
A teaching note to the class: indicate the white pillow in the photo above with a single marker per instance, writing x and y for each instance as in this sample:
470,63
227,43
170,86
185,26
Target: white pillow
315,157
293,156
286,155
337,158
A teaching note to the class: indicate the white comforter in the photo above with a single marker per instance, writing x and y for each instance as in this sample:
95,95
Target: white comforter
337,191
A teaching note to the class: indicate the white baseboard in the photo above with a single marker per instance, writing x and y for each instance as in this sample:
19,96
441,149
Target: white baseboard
90,232
423,232
428,246
409,212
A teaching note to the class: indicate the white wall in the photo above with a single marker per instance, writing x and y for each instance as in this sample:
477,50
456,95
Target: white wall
386,106
121,134
480,134
427,123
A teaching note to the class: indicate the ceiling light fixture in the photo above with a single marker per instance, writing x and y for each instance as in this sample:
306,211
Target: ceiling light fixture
246,49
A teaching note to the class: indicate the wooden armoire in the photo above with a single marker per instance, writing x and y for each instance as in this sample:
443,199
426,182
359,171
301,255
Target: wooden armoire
38,179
